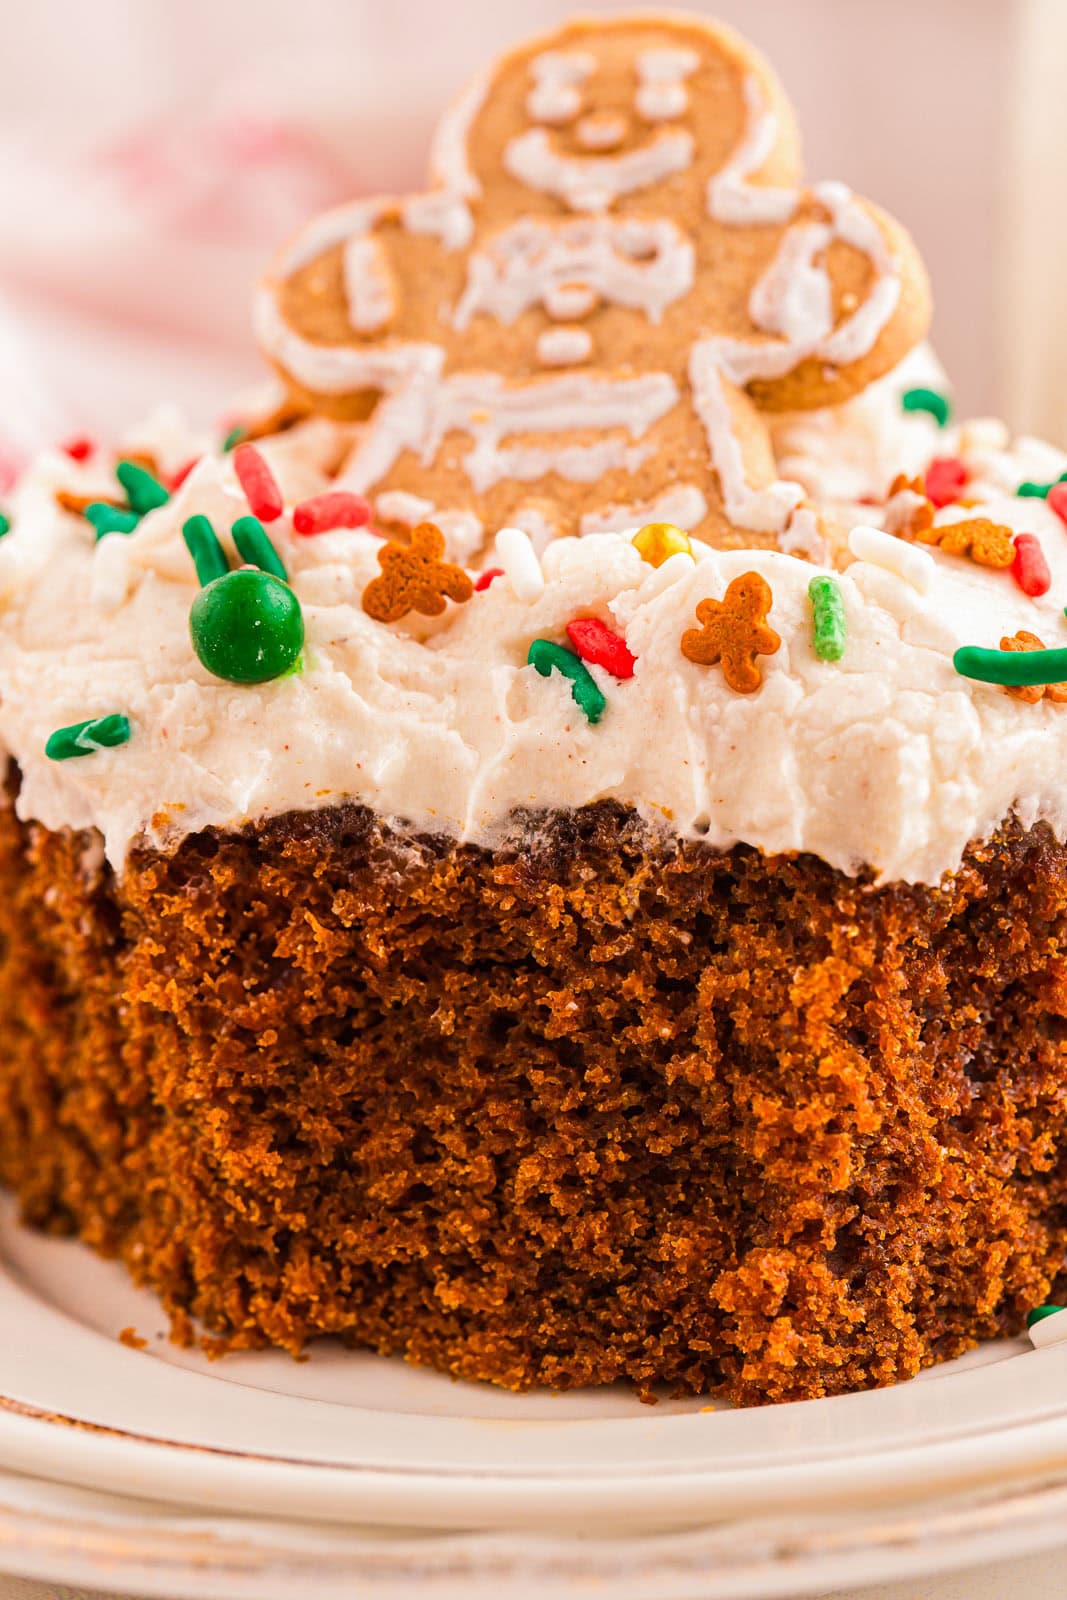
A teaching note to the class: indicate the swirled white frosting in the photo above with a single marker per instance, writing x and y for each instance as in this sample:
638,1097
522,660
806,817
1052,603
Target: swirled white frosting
887,758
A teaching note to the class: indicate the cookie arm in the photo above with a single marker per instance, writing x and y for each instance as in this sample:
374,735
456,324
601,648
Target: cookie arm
349,310
878,282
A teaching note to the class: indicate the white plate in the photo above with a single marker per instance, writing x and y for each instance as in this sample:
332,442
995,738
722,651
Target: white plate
969,1458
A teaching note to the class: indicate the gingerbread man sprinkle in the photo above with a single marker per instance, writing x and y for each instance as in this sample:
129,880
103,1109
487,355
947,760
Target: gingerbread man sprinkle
415,578
734,631
988,543
1033,692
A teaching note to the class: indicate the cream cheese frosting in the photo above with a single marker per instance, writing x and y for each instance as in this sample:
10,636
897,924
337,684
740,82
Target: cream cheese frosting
887,759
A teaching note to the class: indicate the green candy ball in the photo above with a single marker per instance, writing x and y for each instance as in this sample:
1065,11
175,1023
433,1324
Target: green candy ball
247,626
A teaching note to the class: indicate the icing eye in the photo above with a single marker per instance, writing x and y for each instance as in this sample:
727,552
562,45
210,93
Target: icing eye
556,96
554,103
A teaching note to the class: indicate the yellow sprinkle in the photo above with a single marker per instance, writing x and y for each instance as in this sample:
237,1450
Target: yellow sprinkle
656,542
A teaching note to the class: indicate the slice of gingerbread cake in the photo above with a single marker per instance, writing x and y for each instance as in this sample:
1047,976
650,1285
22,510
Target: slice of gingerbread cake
548,857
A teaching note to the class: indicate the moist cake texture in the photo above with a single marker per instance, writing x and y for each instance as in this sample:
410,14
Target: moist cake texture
599,1106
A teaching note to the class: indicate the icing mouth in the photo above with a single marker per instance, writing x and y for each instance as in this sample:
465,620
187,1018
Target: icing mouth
595,182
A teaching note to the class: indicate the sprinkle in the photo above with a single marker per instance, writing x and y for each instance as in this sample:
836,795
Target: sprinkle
1045,1327
80,448
945,480
247,627
1012,668
414,577
203,545
144,492
656,542
336,509
1032,693
485,579
989,544
233,438
107,518
545,657
828,618
520,563
596,642
915,566
1030,569
253,543
1039,491
929,400
734,631
5,524
86,738
183,472
265,499
1057,500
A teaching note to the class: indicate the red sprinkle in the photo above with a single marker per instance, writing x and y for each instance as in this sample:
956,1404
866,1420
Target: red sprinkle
596,643
486,578
80,448
946,479
337,509
1030,569
183,472
1057,500
259,483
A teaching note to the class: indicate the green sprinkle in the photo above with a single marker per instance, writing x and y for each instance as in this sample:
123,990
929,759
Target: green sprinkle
1039,1313
546,656
253,543
929,400
143,491
247,627
110,519
1013,668
1038,491
828,618
233,439
86,738
5,524
201,541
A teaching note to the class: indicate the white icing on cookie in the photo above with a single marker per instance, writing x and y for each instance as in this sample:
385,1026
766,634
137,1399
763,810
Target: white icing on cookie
490,411
601,131
370,285
731,198
626,261
558,75
762,510
684,506
594,183
441,213
564,347
335,368
661,92
449,159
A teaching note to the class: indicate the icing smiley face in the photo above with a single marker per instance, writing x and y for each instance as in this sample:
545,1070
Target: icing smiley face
579,328
605,116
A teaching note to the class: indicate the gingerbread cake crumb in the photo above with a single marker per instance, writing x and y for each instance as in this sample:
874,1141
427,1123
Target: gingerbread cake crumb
602,1106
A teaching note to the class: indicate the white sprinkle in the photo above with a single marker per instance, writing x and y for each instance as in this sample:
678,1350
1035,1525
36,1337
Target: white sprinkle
521,566
1050,1330
109,581
916,567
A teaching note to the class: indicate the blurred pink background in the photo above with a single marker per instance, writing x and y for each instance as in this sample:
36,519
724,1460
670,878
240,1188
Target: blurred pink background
153,156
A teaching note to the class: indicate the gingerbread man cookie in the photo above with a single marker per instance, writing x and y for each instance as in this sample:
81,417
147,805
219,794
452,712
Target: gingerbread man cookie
578,329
